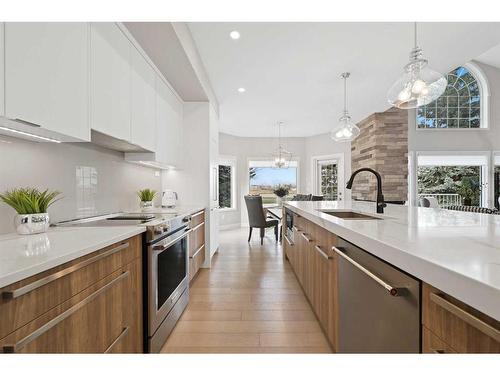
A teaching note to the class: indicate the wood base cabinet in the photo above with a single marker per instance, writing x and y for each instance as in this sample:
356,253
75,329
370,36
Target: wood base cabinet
314,263
458,327
196,243
90,305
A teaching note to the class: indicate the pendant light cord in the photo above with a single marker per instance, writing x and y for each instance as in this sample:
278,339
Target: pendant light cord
415,33
345,76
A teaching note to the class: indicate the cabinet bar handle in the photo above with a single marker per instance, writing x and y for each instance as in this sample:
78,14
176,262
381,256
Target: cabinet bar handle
197,251
438,351
58,319
305,237
198,226
466,317
288,240
395,292
198,214
123,333
322,253
20,120
296,229
11,294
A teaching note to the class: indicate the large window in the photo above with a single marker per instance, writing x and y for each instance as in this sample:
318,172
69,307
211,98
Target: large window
453,179
227,184
458,107
264,178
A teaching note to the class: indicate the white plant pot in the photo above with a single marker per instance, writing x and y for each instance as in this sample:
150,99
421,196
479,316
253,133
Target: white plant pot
32,224
147,206
279,201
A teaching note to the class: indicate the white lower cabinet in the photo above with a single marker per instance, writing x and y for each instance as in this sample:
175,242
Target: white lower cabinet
110,81
47,76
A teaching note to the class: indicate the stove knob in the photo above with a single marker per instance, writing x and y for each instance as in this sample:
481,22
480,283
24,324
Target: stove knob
186,219
158,230
165,229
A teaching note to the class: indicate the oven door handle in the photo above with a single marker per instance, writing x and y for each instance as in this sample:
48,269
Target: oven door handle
160,248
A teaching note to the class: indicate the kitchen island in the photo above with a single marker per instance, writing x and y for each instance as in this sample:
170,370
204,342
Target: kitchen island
455,253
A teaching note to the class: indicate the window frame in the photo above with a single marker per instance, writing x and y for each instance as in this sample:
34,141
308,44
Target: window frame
229,161
484,109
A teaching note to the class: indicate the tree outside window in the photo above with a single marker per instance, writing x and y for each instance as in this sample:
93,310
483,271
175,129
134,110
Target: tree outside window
225,188
329,184
445,180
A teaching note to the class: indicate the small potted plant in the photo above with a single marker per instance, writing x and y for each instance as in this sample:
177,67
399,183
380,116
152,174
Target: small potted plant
31,206
281,191
146,196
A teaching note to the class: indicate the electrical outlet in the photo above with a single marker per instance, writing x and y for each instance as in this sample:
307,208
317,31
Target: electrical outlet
157,173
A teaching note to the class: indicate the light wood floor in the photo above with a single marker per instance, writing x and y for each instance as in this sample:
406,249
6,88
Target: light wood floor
248,302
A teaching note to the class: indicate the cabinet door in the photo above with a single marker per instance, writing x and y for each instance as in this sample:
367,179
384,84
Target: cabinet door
47,76
324,288
2,70
110,81
169,125
103,318
143,99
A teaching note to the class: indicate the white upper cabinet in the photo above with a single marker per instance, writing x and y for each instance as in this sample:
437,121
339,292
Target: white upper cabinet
169,126
47,76
143,106
110,81
2,71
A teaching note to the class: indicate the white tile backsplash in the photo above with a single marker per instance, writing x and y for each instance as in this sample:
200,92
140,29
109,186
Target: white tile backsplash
92,180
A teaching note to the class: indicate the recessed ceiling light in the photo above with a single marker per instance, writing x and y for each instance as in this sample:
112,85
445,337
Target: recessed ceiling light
234,34
242,89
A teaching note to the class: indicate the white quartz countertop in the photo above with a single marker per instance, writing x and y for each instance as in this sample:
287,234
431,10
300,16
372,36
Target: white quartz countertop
457,252
25,256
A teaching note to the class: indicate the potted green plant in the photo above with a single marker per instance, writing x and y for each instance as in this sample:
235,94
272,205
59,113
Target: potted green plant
281,192
31,206
146,196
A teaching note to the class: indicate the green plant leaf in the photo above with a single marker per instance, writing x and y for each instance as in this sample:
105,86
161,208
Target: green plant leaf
29,200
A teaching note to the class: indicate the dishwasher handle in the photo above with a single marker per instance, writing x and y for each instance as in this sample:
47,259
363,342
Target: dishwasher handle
393,291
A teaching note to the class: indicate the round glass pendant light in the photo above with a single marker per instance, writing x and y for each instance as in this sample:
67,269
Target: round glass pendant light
419,85
282,157
346,130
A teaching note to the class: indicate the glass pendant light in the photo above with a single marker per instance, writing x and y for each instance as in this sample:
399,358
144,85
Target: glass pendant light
281,157
346,131
419,85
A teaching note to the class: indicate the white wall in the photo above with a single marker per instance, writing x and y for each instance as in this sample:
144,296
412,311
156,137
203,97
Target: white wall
245,148
92,180
462,140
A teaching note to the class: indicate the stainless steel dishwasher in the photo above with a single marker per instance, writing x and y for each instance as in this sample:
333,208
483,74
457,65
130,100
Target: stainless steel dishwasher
379,305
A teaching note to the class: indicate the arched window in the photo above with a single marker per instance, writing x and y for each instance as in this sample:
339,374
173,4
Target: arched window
460,105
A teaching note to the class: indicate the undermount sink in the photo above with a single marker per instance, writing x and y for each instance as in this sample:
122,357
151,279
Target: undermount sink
350,215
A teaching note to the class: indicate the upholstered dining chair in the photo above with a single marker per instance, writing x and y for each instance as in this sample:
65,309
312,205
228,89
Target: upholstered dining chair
257,217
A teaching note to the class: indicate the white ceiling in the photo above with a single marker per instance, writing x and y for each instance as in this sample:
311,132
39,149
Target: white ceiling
291,70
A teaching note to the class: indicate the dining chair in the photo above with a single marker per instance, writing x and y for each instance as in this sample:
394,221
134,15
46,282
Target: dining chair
257,217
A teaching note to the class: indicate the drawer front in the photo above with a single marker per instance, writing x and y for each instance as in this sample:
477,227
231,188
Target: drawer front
196,261
434,345
463,328
196,238
101,319
197,218
26,300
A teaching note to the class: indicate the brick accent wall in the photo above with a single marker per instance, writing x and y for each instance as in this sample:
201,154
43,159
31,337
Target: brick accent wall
383,146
